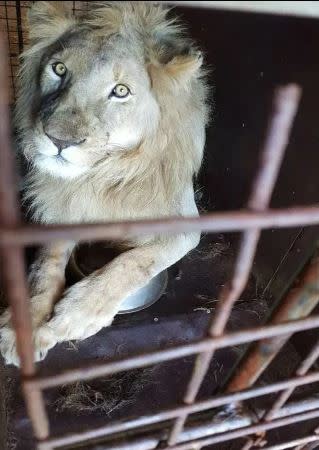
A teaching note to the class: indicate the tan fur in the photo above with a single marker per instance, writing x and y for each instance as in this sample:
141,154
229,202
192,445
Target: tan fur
147,175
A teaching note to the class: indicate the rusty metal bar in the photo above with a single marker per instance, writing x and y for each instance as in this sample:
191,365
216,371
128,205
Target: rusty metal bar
12,260
161,416
302,370
299,302
181,351
12,257
213,222
285,105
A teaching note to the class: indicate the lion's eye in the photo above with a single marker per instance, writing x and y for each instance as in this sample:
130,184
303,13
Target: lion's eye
120,91
59,69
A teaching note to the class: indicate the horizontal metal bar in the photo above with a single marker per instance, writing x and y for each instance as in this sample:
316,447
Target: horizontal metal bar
243,432
213,425
294,8
172,413
291,444
192,433
212,222
146,444
235,338
309,446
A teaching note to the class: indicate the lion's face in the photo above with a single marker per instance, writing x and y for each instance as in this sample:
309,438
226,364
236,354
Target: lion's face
121,81
94,98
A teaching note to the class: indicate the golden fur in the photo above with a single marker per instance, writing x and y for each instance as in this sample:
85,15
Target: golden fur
130,158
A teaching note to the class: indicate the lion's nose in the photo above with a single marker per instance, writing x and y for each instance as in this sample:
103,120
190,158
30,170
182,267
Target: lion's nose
61,144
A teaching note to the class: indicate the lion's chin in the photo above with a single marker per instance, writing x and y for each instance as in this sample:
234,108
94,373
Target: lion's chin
58,167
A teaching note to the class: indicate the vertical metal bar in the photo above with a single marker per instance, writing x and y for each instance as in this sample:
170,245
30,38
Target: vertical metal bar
10,217
285,106
19,25
9,45
13,268
249,444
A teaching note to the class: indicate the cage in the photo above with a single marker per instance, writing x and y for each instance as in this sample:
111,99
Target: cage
227,358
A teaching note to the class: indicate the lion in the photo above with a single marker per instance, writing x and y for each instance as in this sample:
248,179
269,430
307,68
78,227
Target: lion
111,115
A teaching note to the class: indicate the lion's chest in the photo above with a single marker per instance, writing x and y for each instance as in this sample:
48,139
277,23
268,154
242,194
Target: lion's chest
58,204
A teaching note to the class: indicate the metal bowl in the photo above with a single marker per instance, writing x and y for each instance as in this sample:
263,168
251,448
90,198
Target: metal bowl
142,299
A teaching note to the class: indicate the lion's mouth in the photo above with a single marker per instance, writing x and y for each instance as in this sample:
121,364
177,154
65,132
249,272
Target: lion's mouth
57,165
61,159
56,158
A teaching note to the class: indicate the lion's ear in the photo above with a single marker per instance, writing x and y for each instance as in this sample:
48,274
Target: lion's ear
184,67
48,20
174,54
177,72
168,51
